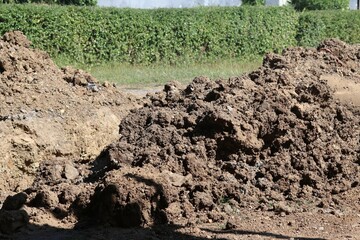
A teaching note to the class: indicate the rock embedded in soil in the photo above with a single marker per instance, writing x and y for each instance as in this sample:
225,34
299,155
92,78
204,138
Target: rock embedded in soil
70,172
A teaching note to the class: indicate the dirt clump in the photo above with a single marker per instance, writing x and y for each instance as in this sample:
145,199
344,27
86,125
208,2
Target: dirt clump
48,113
278,139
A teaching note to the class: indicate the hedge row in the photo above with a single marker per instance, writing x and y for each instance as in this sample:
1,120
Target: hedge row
315,26
92,34
320,4
61,2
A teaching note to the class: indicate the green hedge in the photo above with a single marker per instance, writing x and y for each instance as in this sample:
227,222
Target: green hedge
315,26
320,4
253,2
61,2
92,34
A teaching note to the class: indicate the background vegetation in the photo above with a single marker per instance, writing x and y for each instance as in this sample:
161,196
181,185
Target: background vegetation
320,4
90,35
254,2
60,2
173,36
315,26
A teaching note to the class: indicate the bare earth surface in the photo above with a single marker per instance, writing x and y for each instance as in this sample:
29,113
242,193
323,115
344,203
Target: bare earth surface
48,113
274,154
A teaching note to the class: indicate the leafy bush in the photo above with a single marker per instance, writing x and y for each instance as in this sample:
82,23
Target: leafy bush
91,35
320,4
315,26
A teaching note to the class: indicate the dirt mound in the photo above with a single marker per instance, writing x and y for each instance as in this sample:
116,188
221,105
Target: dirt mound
276,139
48,113
271,140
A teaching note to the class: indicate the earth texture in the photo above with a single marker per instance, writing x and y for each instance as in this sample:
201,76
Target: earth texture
272,154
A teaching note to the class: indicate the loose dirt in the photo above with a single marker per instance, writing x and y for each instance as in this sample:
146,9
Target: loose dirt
48,113
274,154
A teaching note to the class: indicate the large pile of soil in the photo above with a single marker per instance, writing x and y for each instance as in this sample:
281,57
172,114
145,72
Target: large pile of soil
284,138
277,139
48,113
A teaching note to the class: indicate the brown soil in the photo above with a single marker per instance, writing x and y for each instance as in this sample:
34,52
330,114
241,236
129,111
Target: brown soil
48,113
274,154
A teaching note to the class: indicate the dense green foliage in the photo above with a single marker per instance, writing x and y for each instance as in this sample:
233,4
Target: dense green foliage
320,4
146,36
92,34
254,2
61,2
315,26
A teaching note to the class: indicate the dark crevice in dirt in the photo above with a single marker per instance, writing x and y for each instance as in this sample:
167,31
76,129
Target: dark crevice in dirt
2,69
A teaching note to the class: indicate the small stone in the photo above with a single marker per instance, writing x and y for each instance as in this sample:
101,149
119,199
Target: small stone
230,225
321,228
55,172
227,208
80,80
175,179
196,230
283,208
70,172
106,84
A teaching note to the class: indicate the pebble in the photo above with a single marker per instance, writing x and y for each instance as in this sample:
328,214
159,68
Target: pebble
230,225
70,172
227,208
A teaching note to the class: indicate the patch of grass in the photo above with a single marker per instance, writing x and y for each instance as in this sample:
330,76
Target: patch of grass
137,76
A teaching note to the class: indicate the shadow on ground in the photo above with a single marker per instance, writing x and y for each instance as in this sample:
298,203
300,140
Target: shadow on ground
161,232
